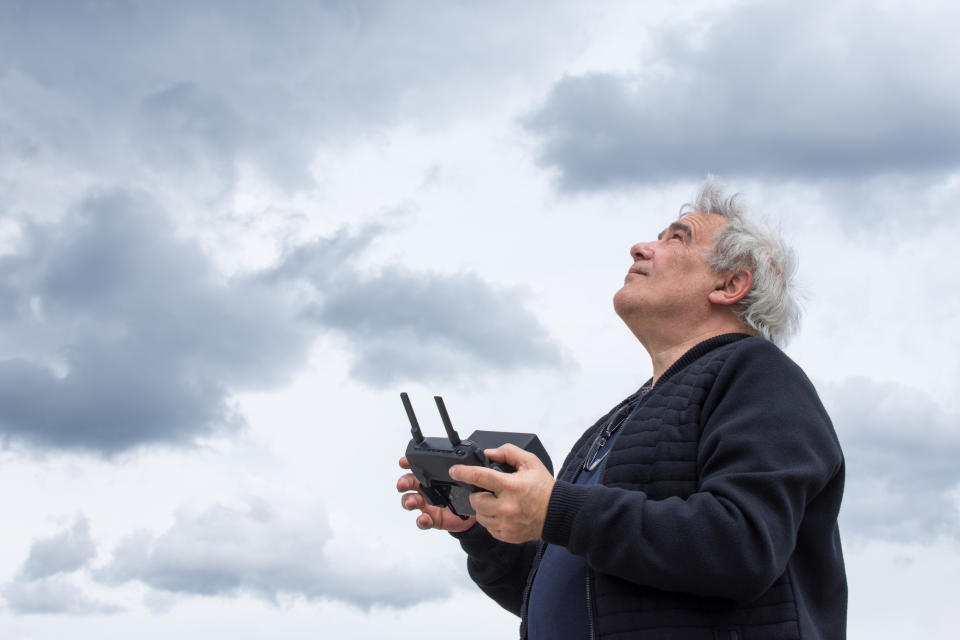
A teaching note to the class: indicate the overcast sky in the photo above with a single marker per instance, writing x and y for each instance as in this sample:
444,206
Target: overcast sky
232,232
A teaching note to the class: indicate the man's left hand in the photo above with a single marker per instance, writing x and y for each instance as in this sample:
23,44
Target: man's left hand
516,508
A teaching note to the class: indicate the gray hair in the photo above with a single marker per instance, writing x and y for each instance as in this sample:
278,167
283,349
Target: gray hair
771,308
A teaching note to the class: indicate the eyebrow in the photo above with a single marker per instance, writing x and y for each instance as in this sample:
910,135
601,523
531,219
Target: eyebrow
678,226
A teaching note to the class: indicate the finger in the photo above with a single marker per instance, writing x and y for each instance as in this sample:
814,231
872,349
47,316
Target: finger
408,482
424,521
404,463
484,504
512,455
411,501
478,476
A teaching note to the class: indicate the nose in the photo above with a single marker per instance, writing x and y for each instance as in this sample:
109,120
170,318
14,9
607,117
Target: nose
641,251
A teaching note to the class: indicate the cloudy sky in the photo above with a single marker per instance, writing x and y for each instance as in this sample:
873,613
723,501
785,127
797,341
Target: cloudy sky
232,232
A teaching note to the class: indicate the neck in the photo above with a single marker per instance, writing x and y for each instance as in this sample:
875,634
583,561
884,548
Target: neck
667,350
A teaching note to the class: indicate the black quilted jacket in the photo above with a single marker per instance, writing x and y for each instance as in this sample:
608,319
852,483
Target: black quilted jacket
716,517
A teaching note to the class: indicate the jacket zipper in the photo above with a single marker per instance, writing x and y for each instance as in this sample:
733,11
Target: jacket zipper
525,600
593,634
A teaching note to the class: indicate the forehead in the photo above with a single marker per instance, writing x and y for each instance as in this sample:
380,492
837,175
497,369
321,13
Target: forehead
702,226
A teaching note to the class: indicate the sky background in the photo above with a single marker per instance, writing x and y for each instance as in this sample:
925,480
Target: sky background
232,232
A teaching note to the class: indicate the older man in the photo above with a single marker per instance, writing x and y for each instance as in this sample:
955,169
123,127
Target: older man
702,507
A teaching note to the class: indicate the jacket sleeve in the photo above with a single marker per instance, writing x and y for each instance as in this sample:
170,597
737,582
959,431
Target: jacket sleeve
766,450
500,569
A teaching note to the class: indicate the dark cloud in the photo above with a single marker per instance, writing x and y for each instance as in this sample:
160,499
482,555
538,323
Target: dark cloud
901,451
66,552
839,91
125,335
227,551
116,333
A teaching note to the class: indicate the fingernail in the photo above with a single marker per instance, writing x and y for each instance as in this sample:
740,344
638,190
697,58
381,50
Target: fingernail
454,471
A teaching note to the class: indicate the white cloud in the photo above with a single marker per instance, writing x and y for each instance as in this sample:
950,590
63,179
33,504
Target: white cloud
227,551
53,595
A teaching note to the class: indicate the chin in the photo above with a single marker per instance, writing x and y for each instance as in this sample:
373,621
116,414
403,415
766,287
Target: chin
621,301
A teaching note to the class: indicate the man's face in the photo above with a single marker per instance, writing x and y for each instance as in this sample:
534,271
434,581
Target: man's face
670,279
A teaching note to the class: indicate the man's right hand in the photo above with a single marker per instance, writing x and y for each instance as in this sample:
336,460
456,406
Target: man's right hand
431,517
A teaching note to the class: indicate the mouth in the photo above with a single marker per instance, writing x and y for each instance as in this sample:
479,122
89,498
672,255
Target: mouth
635,270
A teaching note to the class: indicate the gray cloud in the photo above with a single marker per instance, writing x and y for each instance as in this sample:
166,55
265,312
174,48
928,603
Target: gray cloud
838,91
116,333
434,325
403,324
227,551
193,130
901,451
63,553
42,587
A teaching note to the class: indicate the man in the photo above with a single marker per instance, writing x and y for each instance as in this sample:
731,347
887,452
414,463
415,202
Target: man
702,507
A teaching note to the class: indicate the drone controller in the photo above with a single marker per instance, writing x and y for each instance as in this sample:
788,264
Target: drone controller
431,458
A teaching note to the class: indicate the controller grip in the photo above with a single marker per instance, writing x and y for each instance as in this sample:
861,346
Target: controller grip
458,501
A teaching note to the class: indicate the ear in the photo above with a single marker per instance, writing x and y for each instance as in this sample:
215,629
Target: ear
732,288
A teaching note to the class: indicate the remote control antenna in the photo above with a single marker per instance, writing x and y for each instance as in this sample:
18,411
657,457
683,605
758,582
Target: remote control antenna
414,425
451,434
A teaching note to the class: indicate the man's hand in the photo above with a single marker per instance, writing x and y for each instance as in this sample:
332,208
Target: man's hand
517,507
431,517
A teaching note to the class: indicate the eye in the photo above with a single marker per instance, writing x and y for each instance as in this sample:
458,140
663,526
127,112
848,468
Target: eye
676,236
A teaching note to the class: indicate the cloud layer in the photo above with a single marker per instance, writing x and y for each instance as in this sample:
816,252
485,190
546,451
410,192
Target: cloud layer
771,89
175,107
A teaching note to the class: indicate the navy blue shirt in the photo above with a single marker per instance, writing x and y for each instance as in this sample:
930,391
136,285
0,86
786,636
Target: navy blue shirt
558,597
